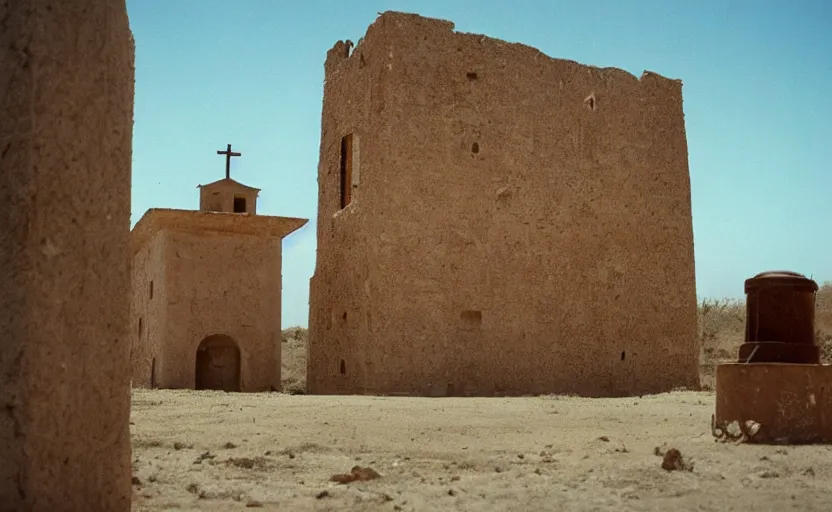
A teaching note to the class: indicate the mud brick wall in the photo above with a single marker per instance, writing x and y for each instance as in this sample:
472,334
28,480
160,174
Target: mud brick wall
495,221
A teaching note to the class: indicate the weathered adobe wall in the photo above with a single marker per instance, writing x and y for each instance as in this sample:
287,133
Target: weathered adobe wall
339,317
149,310
222,284
522,224
66,119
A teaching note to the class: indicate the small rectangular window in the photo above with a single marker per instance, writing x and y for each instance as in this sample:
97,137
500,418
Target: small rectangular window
151,289
471,319
239,204
346,170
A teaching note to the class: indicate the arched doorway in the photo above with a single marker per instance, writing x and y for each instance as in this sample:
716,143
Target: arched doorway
218,364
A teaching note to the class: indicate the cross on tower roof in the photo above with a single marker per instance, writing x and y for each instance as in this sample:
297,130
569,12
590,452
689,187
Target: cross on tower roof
228,154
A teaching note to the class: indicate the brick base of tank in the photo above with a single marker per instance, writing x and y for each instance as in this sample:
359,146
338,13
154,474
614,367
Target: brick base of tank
792,403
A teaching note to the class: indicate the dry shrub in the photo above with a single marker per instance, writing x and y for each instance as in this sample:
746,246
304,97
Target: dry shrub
718,317
293,333
293,364
823,321
721,330
721,324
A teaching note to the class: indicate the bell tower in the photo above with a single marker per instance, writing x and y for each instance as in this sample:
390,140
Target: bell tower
206,292
228,195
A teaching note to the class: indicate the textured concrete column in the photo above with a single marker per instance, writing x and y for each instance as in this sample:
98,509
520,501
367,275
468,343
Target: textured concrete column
66,118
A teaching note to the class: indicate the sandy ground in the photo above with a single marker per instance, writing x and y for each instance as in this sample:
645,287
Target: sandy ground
218,451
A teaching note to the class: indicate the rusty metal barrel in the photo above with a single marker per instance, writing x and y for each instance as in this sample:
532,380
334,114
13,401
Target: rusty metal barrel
780,319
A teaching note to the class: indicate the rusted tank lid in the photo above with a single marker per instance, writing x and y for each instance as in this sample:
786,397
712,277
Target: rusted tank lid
779,278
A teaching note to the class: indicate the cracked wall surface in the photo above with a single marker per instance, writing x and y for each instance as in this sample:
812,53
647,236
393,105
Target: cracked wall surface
66,120
522,224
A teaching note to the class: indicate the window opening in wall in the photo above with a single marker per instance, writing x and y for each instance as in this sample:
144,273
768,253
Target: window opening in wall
590,102
151,289
343,367
475,148
140,326
346,170
623,355
239,204
471,319
471,75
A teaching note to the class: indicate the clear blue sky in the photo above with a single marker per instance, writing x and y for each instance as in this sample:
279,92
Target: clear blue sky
757,96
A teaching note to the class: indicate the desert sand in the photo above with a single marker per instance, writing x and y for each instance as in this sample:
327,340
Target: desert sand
278,451
219,451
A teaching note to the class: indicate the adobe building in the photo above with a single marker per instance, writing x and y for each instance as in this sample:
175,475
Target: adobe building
493,221
65,160
206,292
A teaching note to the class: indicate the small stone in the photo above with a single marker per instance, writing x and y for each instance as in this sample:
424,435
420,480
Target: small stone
204,456
604,438
357,473
673,461
136,481
254,504
321,495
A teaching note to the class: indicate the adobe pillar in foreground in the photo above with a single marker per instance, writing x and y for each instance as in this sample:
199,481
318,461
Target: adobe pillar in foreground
66,117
